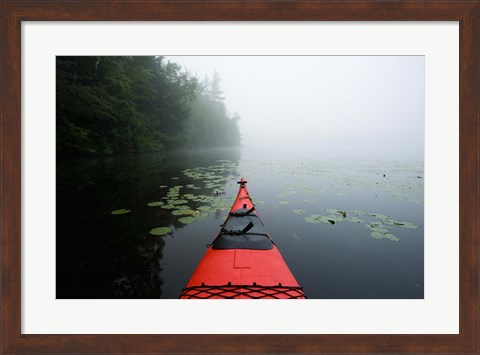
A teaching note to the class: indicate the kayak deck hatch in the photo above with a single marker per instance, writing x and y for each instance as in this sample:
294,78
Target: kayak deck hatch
243,230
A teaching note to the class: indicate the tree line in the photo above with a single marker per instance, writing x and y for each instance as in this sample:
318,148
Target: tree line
109,105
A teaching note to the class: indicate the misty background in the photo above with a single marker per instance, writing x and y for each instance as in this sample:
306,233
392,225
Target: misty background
358,107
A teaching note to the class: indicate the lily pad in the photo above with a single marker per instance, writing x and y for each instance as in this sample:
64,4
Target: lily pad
120,211
393,222
391,237
379,216
354,219
186,220
178,202
284,202
377,228
204,197
155,204
317,218
206,208
182,207
406,225
380,231
168,207
161,231
299,211
183,212
378,235
337,212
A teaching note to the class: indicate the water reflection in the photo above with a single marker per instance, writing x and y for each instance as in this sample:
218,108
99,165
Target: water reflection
105,255
347,229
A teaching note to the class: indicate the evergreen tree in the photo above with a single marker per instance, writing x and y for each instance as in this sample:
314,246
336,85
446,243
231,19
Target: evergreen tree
109,105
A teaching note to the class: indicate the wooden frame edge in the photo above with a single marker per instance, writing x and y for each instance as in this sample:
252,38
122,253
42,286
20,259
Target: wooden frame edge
13,12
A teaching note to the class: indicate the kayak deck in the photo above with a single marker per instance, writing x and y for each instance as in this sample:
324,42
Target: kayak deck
243,261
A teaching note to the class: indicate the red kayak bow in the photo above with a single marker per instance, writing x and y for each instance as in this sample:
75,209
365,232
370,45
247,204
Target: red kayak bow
242,261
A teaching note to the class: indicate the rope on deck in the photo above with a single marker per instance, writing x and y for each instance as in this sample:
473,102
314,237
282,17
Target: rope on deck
242,291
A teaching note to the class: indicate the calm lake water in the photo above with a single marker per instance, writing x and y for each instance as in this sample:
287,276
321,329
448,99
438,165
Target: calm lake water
347,229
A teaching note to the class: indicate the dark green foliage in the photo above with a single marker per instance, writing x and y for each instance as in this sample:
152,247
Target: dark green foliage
108,105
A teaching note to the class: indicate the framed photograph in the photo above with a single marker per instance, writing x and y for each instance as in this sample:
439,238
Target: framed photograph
352,130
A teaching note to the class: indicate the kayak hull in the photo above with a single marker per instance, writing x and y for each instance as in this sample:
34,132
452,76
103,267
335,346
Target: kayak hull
230,269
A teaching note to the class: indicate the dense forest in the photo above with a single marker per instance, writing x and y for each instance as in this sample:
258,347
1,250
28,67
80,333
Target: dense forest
109,105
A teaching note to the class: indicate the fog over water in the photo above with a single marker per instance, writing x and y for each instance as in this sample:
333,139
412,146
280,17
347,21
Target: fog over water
357,107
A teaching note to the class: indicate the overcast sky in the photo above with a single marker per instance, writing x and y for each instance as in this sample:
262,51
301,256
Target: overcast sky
370,106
